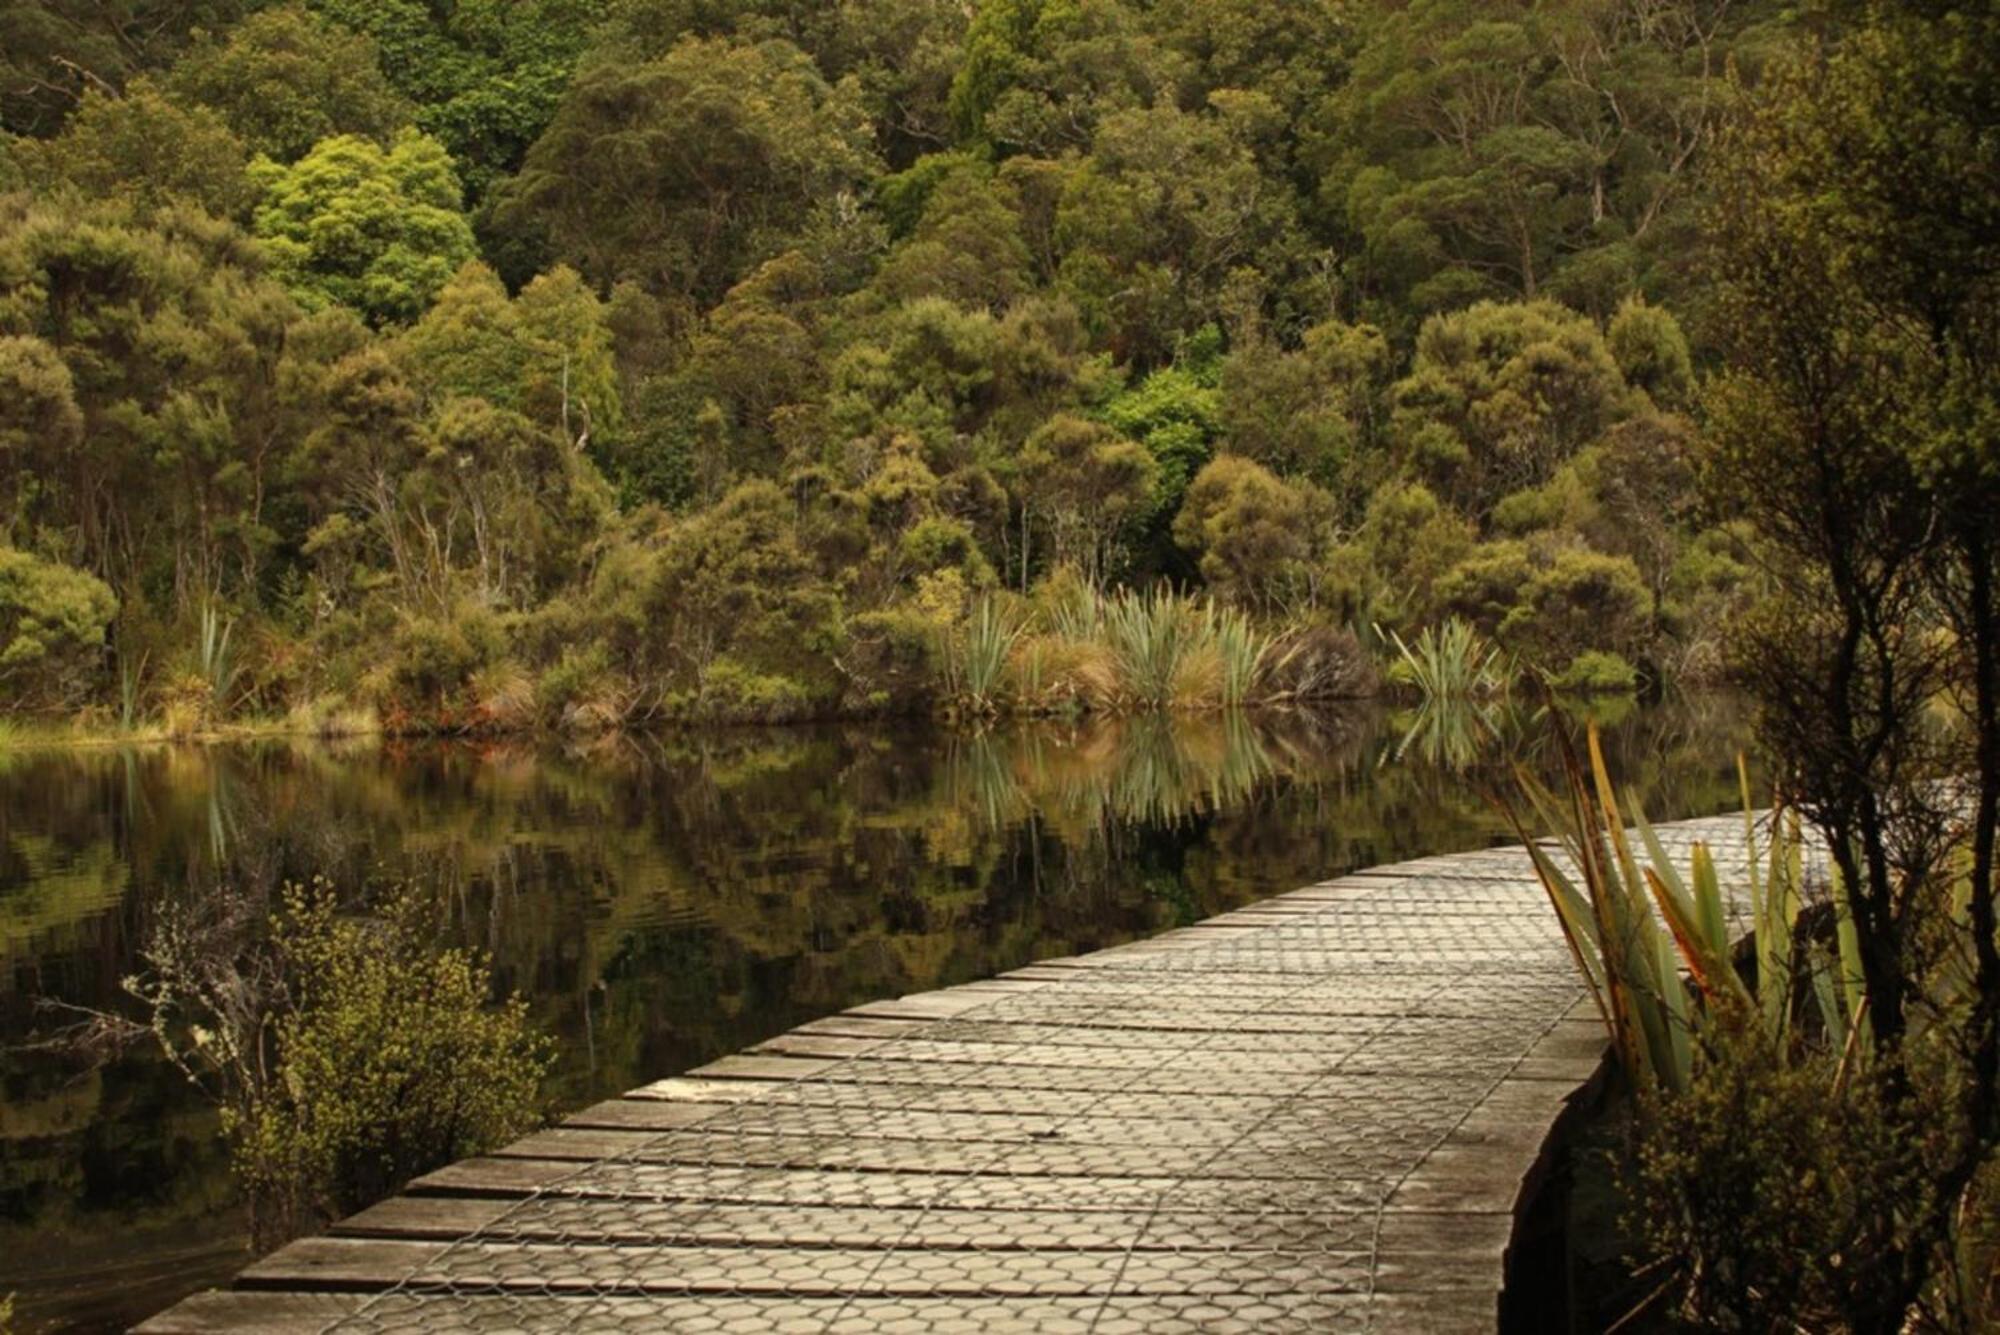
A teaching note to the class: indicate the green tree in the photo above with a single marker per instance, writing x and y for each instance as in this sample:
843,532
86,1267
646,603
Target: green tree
511,498
1084,483
190,386
1651,351
1255,535
1499,396
1318,411
681,172
40,426
545,354
143,149
1407,541
52,623
378,231
723,613
1578,602
1036,75
53,51
1858,250
1523,150
486,76
1295,55
1155,220
966,246
1175,412
925,370
284,79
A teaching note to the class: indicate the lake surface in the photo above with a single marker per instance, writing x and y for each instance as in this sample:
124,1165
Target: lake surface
663,901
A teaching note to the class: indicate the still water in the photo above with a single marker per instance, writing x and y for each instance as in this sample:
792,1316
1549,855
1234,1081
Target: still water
664,901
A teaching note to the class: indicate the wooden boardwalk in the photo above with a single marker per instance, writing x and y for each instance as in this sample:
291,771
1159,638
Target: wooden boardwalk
1318,1112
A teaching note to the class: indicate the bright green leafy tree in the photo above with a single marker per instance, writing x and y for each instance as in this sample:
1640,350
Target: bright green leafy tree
377,230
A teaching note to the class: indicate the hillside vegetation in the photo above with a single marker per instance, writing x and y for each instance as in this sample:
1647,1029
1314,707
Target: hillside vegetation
479,365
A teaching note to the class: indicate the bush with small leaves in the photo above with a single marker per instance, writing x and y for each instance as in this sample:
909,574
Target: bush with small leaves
52,623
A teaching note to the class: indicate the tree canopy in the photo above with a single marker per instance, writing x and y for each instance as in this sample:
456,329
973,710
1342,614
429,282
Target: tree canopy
415,319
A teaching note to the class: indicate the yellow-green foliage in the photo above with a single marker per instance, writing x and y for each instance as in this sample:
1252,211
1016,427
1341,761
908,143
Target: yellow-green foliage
389,1061
52,620
1254,533
351,224
742,331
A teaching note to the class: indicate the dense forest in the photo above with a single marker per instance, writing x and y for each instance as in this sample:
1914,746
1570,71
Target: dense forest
583,362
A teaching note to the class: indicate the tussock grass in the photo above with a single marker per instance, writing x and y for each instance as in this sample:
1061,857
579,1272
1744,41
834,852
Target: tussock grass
1087,651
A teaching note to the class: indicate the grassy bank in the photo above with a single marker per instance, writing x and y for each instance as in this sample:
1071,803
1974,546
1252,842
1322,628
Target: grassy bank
1065,650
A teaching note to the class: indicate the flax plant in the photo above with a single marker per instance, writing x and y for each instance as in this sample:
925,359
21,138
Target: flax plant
1636,926
1452,662
1241,649
216,659
1147,635
976,658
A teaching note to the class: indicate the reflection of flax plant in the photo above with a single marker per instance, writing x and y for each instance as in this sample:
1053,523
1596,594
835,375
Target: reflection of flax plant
130,676
1154,771
981,777
1448,732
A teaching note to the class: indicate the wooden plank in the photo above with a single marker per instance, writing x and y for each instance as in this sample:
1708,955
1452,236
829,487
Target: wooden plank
273,1313
230,1313
642,1115
763,1068
373,1264
441,1218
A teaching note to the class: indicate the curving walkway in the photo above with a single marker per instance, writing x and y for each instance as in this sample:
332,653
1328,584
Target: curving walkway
1316,1112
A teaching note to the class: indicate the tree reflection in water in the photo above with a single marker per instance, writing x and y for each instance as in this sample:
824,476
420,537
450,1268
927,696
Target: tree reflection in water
663,900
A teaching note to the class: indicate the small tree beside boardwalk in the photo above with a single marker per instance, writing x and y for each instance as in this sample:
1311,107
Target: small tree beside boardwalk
1819,1152
347,1053
1772,1176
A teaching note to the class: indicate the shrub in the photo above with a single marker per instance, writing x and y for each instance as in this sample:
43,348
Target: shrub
1762,1182
1251,531
390,1064
892,660
1317,663
52,623
1594,671
348,1053
1651,351
1487,584
734,692
1410,539
431,680
571,680
1582,600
